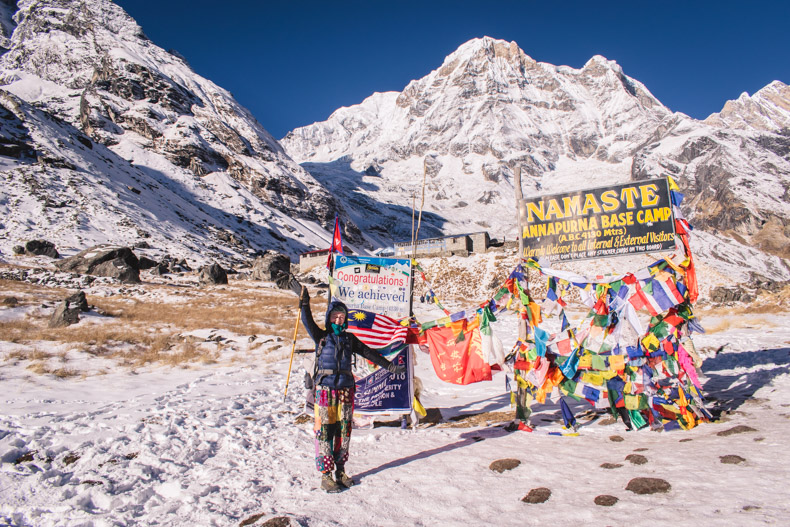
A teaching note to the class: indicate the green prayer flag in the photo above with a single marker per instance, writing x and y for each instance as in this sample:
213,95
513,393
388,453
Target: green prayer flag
486,317
599,363
636,419
532,354
601,321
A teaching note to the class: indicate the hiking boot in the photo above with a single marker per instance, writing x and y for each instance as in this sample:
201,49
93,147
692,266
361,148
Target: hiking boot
328,484
343,478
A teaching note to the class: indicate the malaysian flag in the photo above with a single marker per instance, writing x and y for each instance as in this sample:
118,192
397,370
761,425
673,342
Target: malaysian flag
376,330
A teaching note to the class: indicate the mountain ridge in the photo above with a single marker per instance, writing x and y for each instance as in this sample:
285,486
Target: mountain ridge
487,108
490,107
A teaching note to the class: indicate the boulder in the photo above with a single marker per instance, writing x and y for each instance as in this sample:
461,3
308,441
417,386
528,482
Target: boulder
64,315
182,263
118,269
727,295
78,300
648,485
104,260
605,500
168,264
160,269
272,267
146,263
19,250
213,274
41,248
501,465
538,495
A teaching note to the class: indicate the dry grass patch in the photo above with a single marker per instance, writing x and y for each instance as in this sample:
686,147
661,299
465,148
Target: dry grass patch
26,289
740,322
189,352
240,313
41,368
481,419
145,331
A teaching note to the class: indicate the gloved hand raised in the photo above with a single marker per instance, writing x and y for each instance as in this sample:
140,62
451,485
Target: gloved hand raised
294,285
396,368
304,296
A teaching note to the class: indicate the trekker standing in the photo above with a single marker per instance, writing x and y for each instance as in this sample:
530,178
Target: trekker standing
334,388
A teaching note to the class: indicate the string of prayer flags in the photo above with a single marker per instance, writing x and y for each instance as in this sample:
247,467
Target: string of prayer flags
649,380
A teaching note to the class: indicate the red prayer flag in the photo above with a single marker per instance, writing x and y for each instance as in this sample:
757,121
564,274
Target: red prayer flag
337,243
458,362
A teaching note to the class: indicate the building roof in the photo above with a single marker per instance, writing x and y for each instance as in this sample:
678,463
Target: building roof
318,252
408,242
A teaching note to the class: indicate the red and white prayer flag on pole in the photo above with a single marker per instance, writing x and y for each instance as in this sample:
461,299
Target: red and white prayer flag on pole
337,243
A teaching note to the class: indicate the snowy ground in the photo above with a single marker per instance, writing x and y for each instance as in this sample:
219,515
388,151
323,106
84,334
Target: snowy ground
215,444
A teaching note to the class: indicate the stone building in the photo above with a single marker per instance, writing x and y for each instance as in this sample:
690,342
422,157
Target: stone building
312,259
453,245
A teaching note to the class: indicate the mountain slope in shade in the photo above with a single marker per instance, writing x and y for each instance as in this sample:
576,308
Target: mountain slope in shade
89,65
490,108
62,186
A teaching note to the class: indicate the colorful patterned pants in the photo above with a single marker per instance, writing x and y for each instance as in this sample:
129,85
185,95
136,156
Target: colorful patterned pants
334,408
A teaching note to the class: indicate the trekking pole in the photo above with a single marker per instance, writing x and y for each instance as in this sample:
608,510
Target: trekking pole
293,349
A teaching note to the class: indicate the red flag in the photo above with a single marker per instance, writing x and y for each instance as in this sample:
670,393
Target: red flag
691,273
337,243
458,362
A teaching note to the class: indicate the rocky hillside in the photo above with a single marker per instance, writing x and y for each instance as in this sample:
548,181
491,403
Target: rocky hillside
489,108
96,105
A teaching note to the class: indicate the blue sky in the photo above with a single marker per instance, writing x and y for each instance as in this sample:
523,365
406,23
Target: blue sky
294,62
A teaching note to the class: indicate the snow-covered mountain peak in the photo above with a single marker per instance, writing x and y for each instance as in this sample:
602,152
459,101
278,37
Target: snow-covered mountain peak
489,107
487,49
767,110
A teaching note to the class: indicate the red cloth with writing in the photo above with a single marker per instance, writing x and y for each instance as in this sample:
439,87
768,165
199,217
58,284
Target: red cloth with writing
458,362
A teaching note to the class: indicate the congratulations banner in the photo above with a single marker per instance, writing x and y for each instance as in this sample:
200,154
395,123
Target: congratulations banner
606,221
378,285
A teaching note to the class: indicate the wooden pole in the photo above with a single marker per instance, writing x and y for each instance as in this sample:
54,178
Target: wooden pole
519,198
422,202
293,350
413,206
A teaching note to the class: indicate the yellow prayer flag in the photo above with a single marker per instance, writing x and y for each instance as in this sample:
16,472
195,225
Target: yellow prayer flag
593,378
675,267
651,342
617,362
419,408
632,402
585,361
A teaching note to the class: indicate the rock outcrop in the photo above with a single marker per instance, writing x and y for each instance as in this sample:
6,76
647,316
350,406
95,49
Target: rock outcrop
213,274
105,260
272,267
